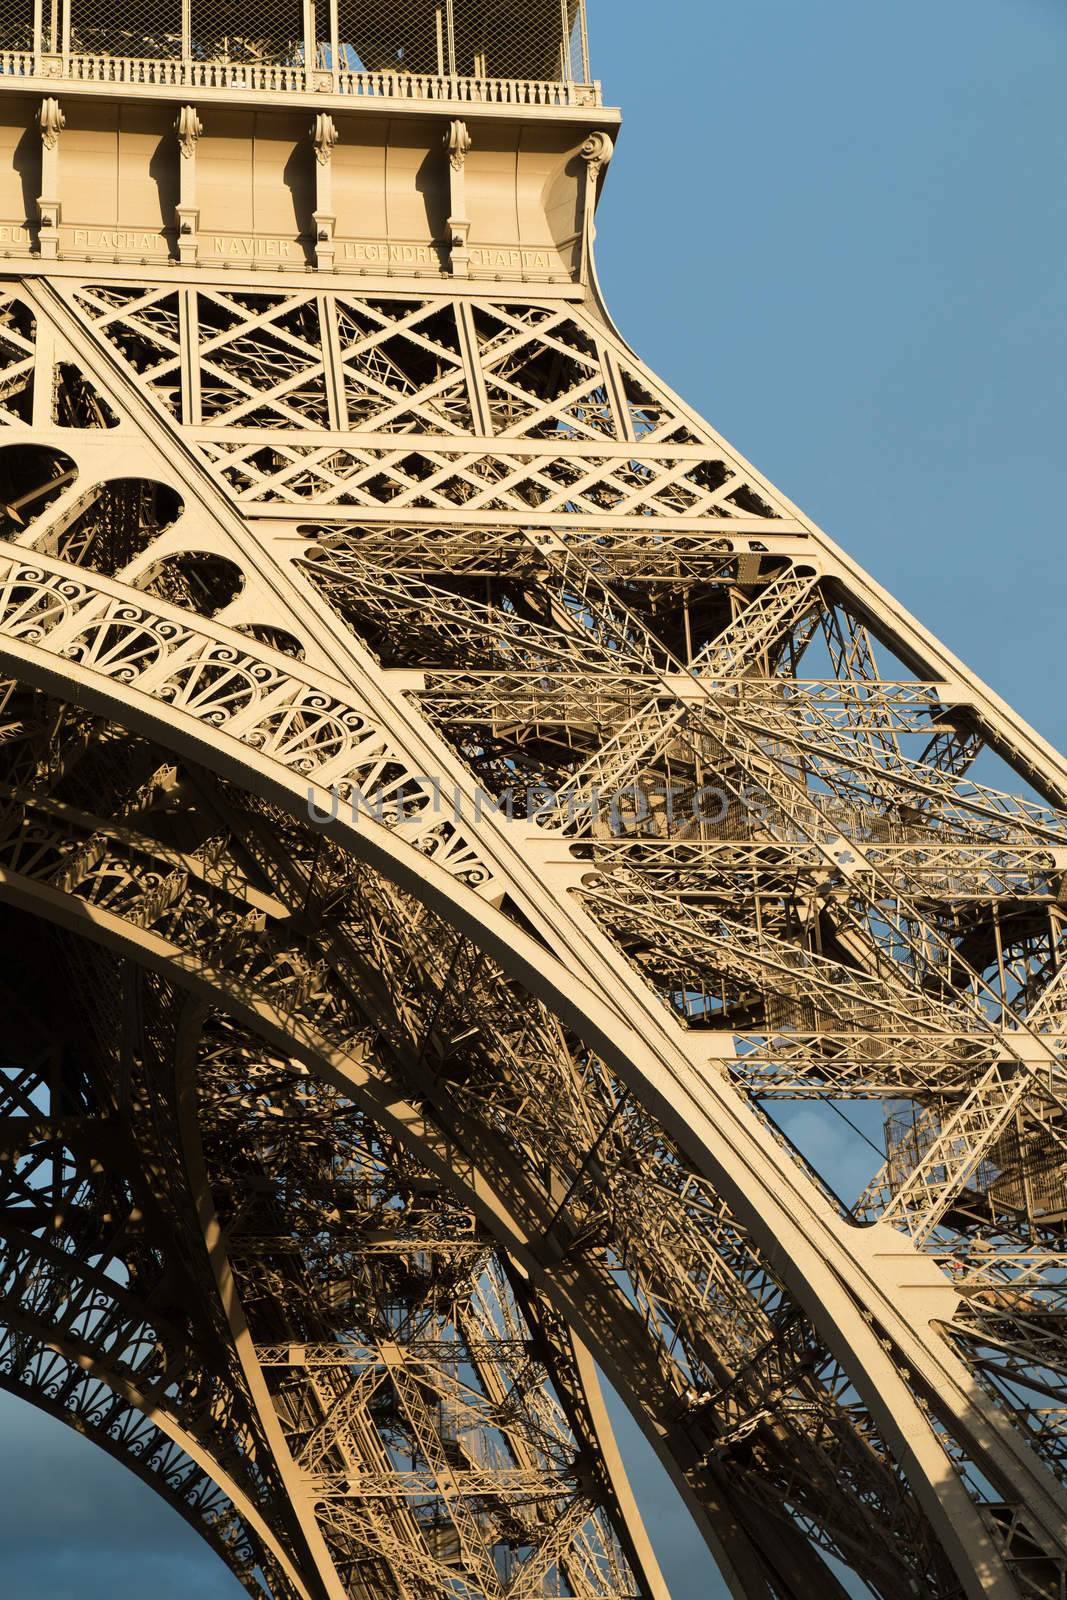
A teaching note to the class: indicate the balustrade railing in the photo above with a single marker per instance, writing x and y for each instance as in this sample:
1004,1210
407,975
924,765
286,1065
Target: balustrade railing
508,52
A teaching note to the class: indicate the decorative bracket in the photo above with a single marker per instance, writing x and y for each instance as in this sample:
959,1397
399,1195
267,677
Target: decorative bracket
51,122
596,152
189,129
457,144
324,136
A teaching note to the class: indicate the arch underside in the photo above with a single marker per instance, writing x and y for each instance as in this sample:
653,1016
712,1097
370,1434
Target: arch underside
403,1363
734,857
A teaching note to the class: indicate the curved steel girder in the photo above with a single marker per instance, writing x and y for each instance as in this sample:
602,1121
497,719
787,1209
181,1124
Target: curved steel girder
832,1270
153,1480
105,1335
169,1426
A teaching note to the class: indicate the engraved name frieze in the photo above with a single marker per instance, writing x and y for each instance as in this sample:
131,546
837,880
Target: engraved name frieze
501,258
384,252
250,246
124,240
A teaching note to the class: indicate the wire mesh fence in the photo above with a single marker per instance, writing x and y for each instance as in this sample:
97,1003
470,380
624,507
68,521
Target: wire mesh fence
17,24
267,32
407,36
133,28
531,39
527,40
271,32
541,39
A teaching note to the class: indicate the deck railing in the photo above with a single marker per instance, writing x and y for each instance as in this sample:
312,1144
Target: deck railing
303,46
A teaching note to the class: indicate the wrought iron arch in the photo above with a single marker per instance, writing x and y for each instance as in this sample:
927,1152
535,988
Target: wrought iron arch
485,925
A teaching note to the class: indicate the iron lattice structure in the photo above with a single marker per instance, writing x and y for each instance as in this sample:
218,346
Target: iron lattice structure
449,803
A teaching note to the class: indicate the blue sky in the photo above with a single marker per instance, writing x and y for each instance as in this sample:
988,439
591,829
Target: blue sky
839,230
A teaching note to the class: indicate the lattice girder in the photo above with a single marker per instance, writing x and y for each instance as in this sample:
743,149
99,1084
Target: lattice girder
642,840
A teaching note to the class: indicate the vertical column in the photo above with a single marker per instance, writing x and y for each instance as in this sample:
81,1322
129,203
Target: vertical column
335,46
188,128
439,34
51,121
450,39
324,137
189,338
44,376
457,143
311,50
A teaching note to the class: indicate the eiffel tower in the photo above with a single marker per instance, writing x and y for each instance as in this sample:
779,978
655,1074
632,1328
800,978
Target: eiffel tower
451,805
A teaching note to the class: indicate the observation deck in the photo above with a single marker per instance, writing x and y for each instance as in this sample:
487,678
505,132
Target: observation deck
443,138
